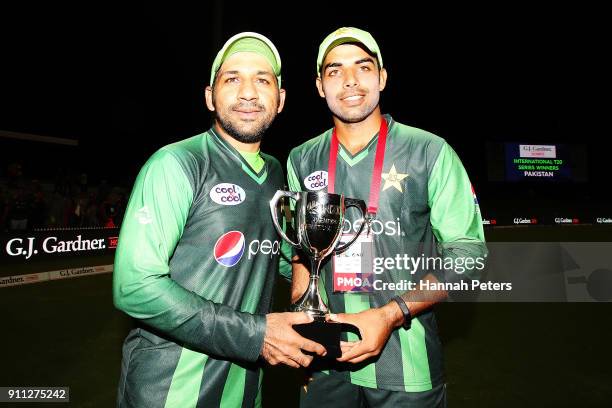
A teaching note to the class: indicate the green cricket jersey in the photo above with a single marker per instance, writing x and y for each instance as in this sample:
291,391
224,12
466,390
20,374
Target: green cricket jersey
195,267
426,206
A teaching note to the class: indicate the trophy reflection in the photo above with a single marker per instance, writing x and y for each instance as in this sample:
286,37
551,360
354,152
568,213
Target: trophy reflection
318,224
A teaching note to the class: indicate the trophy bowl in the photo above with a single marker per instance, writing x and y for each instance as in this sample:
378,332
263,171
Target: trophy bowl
319,217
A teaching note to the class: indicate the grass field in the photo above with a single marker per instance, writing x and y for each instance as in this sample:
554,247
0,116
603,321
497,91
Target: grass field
67,333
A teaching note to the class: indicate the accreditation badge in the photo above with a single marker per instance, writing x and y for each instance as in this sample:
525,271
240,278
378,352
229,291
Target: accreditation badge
352,269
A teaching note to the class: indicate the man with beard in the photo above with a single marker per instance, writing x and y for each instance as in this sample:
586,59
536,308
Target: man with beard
198,253
419,200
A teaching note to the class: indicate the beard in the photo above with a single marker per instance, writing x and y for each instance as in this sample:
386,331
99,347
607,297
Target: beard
244,131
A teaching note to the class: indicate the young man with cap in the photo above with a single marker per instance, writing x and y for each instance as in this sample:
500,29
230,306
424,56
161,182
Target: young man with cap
420,202
197,252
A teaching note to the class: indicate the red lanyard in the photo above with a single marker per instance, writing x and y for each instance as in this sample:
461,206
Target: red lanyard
376,173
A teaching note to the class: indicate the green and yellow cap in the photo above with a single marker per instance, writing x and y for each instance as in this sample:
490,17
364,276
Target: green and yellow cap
248,42
345,35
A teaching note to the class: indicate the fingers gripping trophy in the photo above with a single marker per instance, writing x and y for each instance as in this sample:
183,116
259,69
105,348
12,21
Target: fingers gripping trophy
319,217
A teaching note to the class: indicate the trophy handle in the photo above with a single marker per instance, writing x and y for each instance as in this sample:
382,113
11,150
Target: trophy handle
273,202
360,204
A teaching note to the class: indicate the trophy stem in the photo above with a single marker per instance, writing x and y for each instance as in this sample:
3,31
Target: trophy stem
315,270
311,302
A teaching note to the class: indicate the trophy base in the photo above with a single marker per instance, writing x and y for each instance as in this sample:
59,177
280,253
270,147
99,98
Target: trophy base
327,334
324,333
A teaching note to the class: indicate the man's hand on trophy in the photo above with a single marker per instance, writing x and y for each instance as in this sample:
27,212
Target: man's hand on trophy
375,327
284,345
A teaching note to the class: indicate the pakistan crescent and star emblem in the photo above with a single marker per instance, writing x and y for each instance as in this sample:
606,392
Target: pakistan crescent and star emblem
393,178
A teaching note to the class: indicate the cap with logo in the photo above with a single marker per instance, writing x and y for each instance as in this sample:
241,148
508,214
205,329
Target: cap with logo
248,42
347,35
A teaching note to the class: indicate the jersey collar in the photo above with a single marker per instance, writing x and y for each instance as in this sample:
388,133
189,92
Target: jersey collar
258,176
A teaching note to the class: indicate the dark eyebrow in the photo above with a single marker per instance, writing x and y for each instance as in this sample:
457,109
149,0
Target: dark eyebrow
228,73
337,64
332,65
265,73
364,60
237,72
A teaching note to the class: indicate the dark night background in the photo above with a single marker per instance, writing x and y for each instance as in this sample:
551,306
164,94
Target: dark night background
127,79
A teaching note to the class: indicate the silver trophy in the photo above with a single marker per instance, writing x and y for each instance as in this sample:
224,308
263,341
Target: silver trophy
319,217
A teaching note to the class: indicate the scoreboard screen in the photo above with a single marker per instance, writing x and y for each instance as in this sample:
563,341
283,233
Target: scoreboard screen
516,162
536,161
